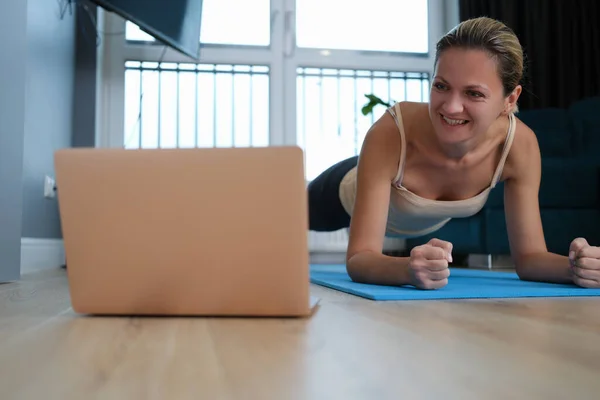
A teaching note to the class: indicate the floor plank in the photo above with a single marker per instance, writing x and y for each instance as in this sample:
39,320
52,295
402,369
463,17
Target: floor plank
351,348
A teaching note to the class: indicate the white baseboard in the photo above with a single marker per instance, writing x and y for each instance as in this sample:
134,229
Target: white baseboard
337,242
489,261
40,254
328,257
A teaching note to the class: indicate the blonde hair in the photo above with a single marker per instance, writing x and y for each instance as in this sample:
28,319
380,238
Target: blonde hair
496,39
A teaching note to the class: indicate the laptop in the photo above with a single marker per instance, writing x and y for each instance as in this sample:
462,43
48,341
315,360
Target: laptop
202,231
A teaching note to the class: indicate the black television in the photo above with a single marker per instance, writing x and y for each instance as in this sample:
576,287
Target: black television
173,22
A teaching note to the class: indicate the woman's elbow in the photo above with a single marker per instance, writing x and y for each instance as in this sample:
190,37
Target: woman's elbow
354,267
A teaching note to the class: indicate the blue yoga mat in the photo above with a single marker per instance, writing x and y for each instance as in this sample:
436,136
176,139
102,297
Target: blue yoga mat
462,284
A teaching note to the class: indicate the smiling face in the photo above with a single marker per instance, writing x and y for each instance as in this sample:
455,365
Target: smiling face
467,96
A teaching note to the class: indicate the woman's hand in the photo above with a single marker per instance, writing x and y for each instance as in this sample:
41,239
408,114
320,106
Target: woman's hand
428,264
585,263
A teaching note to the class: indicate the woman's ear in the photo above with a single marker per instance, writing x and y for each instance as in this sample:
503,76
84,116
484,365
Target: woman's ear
511,101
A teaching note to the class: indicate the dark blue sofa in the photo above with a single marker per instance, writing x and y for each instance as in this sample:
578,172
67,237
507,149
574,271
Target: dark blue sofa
569,194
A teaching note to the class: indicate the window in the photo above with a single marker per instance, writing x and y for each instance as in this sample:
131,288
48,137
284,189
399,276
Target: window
235,22
383,25
275,72
248,25
171,105
331,125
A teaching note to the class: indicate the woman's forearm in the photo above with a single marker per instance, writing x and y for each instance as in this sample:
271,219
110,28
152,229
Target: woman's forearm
545,267
378,269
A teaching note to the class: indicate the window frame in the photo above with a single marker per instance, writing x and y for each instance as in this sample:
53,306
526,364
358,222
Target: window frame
281,55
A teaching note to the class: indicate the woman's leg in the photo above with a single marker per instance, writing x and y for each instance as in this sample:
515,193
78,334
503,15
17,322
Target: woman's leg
326,213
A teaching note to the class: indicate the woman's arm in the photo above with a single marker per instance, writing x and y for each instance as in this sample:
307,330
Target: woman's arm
377,167
523,220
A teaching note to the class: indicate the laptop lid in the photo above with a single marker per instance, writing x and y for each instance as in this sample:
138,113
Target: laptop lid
214,231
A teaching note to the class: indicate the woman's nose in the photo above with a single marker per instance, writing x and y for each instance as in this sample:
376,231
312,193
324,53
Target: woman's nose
453,105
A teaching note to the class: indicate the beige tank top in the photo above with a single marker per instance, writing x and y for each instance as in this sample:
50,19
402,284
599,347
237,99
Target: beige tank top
410,215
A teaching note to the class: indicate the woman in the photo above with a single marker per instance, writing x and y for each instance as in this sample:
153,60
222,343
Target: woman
422,164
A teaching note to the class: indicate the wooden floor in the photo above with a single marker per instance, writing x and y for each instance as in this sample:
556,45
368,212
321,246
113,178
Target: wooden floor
350,349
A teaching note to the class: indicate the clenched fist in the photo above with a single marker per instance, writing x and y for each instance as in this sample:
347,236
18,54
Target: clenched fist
585,263
428,264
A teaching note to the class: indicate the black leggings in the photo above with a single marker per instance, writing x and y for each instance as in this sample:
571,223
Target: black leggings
325,209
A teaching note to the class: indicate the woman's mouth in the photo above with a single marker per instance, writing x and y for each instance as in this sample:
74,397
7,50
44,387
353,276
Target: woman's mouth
453,122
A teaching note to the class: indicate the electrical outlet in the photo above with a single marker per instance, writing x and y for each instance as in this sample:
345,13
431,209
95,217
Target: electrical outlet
49,187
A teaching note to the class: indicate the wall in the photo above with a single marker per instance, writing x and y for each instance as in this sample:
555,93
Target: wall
452,14
13,45
84,107
49,88
37,81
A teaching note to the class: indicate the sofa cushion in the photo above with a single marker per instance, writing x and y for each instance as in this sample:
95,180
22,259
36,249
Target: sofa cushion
496,197
560,228
466,235
552,128
585,123
565,183
570,183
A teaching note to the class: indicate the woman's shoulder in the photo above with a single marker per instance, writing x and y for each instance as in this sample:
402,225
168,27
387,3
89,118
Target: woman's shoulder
415,118
412,110
386,129
524,153
382,143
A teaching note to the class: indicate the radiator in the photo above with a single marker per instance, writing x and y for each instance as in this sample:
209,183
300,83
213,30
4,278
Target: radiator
328,242
337,242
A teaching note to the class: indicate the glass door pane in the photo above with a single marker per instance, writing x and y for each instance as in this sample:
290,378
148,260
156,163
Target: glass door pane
379,25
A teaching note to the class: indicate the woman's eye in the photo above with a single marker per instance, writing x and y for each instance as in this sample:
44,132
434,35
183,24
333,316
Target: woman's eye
475,94
439,86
